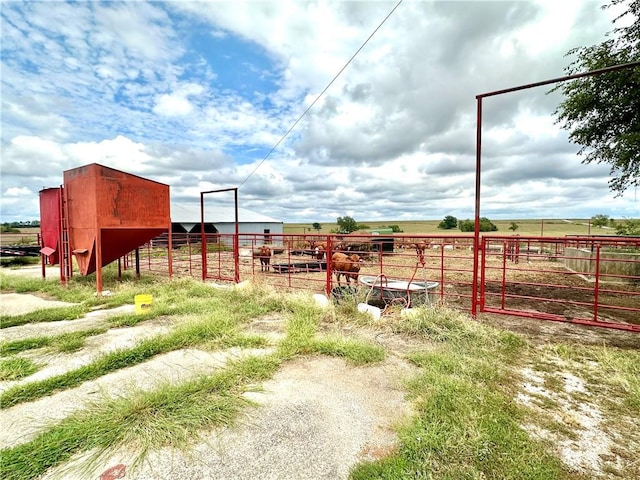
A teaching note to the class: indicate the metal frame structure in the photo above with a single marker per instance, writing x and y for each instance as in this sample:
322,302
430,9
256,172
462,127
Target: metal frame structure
587,280
236,276
478,301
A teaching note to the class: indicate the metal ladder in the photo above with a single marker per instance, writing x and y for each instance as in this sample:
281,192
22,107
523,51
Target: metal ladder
66,264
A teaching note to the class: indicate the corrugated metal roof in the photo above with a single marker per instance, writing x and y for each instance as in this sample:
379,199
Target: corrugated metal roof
190,213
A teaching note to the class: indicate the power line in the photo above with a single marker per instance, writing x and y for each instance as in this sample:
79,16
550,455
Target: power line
322,93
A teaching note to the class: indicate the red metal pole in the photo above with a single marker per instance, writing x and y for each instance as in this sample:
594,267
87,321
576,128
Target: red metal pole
62,253
596,286
476,231
203,238
42,256
328,263
236,246
483,269
170,252
99,262
442,272
504,272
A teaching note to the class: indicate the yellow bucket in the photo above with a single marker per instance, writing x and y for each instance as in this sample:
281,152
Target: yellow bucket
143,303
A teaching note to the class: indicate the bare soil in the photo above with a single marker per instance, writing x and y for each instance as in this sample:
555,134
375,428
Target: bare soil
549,332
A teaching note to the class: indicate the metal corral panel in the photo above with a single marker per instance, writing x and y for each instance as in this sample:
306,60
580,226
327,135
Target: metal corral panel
113,210
50,223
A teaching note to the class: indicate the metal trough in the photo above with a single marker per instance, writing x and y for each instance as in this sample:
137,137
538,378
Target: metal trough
390,290
300,267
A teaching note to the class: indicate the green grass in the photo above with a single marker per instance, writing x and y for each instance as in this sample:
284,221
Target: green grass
16,368
18,261
72,342
303,339
54,314
547,227
172,415
466,425
356,352
16,346
66,342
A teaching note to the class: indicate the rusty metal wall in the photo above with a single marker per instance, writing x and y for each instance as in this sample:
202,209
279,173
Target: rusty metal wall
111,213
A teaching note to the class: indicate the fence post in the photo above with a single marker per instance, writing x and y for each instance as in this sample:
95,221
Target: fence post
327,255
596,285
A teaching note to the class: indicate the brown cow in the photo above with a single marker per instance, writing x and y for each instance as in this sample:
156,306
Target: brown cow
264,254
420,247
319,250
347,265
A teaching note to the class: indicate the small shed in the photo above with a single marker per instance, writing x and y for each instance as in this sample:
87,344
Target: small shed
383,239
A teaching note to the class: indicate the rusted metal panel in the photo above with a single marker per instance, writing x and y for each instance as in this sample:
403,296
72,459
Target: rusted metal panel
50,223
110,213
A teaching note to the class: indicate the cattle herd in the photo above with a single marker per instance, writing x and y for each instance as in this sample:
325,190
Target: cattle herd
344,263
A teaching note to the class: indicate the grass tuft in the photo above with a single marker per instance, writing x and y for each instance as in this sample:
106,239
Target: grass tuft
16,368
54,314
354,351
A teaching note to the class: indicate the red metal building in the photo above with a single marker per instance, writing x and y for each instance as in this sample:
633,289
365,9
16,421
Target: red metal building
102,215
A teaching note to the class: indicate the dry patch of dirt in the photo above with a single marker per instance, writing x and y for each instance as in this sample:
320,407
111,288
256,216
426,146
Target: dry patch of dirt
574,423
547,331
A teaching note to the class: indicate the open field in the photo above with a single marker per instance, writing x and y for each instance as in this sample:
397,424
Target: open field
557,227
551,228
27,236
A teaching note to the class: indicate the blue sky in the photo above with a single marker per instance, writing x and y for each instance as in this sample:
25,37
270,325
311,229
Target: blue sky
195,95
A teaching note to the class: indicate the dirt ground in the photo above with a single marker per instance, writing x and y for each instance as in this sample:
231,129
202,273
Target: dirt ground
546,331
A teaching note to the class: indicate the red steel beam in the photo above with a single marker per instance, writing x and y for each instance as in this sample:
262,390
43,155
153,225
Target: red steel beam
479,98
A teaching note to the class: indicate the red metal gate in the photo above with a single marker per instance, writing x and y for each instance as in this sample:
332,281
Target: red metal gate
585,280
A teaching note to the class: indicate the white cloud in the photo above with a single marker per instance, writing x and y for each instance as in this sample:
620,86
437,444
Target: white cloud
17,192
177,103
172,105
157,89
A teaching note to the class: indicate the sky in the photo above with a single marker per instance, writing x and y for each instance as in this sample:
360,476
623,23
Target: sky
212,94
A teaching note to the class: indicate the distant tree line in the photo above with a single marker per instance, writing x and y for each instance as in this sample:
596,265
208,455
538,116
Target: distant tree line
13,227
348,224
